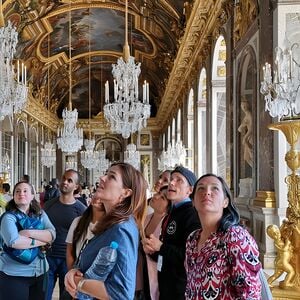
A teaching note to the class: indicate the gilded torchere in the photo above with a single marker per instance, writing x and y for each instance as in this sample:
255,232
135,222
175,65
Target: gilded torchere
287,237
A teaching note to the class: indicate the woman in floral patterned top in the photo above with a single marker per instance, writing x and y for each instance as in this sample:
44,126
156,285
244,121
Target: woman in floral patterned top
221,257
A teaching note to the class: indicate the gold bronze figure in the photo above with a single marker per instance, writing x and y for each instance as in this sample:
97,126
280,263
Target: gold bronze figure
287,237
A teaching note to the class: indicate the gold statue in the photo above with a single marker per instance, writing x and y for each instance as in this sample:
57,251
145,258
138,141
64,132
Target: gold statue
288,247
282,261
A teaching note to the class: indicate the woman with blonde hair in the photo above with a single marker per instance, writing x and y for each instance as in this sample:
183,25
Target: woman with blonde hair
123,193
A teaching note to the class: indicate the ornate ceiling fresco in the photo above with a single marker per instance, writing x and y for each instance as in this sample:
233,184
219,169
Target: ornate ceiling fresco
94,34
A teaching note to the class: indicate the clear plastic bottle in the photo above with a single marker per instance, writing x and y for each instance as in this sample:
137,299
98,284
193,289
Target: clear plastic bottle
101,267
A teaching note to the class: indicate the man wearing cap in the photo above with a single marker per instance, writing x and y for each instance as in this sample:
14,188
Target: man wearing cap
176,227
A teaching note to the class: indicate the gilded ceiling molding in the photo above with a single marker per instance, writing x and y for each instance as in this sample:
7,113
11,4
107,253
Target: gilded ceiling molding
36,109
204,18
245,12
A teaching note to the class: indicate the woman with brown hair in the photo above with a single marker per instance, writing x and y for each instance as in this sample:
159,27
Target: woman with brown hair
153,224
81,229
123,193
25,228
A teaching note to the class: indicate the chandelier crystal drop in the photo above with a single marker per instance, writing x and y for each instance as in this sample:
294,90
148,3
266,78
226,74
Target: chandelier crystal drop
175,155
13,84
89,157
132,156
281,91
103,163
126,114
48,155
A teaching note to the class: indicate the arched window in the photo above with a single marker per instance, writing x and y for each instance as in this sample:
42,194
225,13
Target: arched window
190,131
173,132
169,140
178,138
114,152
33,159
6,149
21,151
218,134
201,111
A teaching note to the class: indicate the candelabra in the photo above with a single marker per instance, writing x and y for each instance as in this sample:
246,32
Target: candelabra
281,90
282,100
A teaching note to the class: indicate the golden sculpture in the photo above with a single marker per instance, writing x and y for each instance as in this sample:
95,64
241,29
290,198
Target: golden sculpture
287,237
284,255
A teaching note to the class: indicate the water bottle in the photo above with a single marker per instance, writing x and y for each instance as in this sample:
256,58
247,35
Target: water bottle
101,267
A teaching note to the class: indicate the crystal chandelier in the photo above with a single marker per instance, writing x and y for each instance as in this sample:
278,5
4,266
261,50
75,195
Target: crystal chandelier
70,137
48,155
132,156
103,163
281,92
71,162
175,155
13,88
126,114
89,157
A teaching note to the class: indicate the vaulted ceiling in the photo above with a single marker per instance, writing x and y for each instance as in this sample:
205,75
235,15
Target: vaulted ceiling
91,35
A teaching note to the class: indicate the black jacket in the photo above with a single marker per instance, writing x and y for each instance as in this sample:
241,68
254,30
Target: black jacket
172,279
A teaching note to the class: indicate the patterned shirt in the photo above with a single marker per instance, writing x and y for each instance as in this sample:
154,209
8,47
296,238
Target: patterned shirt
226,267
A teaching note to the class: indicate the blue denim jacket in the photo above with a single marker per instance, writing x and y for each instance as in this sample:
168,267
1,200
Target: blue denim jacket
120,283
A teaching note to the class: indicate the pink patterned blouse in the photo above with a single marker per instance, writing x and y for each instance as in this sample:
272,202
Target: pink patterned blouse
225,268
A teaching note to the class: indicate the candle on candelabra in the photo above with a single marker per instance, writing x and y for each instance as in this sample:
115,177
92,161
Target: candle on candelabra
290,56
115,90
147,99
136,87
144,91
106,91
22,77
25,75
18,71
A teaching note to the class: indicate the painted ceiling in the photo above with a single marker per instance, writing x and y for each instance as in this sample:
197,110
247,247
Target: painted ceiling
91,35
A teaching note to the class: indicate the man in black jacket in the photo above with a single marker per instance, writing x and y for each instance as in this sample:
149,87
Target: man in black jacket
176,227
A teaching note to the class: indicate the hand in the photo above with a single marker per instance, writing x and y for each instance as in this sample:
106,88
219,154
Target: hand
71,281
151,244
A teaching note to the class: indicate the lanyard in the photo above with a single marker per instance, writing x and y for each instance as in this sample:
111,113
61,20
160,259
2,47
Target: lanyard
86,241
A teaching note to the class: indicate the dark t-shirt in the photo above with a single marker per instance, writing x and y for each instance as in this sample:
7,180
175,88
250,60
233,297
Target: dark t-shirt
62,215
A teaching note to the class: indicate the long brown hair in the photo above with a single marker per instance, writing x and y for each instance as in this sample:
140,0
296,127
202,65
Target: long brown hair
135,204
34,207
